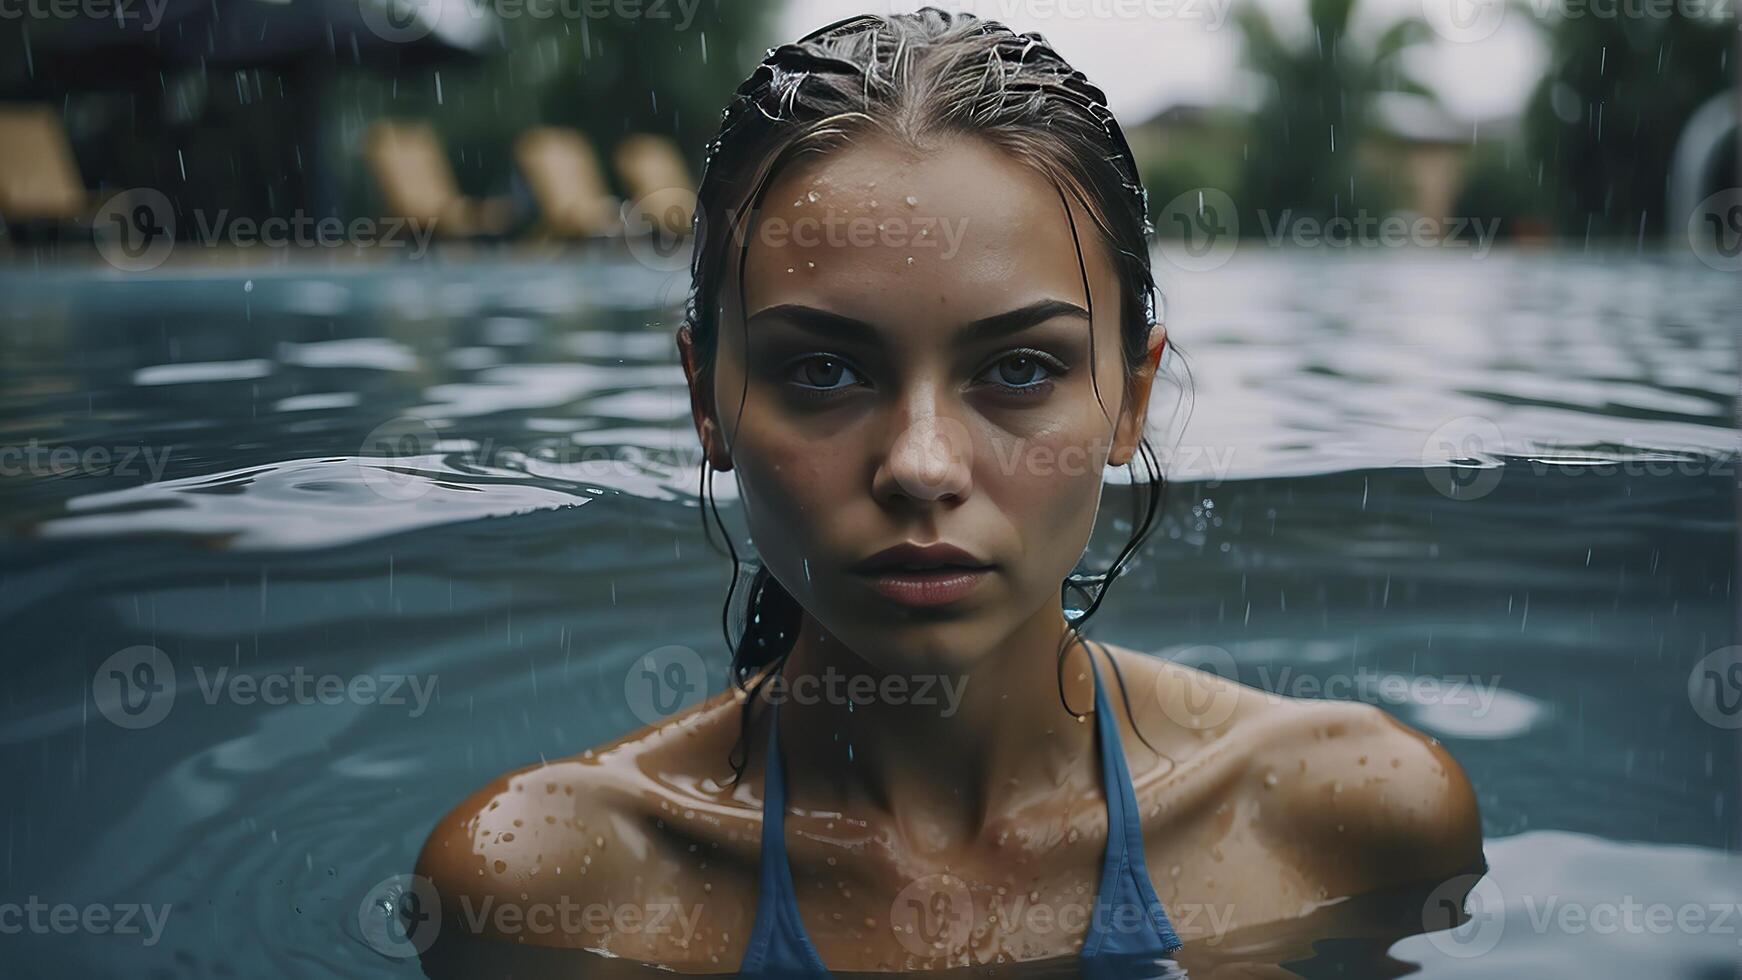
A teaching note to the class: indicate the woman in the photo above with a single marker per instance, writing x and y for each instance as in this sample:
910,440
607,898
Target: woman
921,327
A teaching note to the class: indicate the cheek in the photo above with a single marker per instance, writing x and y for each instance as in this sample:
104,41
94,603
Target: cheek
791,486
1048,486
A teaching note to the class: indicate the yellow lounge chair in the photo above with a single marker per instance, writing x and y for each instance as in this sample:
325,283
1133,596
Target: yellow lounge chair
418,184
562,170
39,180
656,178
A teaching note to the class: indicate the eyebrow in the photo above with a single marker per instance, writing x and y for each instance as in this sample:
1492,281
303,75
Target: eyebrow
834,325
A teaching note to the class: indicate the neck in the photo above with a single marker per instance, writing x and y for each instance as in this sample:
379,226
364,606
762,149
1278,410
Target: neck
946,754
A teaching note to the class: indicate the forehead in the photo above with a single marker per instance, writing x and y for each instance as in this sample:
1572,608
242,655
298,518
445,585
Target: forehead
890,234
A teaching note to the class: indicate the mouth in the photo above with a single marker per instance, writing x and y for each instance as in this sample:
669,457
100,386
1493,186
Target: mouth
924,575
927,587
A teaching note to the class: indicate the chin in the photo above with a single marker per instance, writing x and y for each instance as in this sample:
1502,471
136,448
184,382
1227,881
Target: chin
919,643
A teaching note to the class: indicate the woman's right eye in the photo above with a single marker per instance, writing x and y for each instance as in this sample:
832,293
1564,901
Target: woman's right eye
823,373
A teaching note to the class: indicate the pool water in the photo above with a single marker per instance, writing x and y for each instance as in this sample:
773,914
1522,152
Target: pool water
1495,497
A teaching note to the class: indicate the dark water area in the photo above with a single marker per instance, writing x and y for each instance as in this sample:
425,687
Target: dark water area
1499,503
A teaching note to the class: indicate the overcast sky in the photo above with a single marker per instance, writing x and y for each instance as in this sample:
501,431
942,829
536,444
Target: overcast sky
1146,63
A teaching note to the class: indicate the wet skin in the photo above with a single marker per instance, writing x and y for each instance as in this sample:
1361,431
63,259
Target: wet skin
869,400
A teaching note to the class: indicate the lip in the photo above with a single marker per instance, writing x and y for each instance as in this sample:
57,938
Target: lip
934,555
924,574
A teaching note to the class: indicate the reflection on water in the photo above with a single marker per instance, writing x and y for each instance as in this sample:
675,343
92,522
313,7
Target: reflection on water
484,475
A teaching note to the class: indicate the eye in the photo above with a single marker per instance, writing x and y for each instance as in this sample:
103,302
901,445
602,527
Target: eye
1023,371
819,373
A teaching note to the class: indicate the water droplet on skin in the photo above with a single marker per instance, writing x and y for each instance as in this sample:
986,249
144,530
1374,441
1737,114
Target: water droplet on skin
810,265
791,269
910,260
912,202
812,196
1269,779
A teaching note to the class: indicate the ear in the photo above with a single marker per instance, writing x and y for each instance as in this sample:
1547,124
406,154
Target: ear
1129,430
701,397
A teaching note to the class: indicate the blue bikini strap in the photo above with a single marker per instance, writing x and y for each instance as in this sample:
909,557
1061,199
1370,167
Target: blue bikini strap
1124,871
779,944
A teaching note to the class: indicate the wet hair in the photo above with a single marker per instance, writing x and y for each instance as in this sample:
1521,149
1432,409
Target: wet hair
916,77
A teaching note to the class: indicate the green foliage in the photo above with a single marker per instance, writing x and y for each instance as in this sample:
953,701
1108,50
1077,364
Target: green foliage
1309,127
1502,182
1605,118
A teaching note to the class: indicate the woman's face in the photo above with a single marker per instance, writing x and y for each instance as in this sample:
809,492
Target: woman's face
914,364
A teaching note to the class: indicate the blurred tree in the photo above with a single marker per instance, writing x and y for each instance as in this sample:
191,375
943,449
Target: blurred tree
1604,120
1316,107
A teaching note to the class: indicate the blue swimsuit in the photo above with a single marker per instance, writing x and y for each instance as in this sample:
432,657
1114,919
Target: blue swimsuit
1128,921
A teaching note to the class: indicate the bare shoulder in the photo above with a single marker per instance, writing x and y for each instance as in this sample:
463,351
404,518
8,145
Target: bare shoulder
530,855
1357,795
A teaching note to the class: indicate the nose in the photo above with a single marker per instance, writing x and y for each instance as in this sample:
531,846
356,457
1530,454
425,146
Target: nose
930,457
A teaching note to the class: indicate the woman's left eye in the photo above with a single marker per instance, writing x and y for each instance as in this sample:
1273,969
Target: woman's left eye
1022,371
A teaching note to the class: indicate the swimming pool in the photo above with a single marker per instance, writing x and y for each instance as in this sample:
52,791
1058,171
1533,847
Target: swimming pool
394,529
